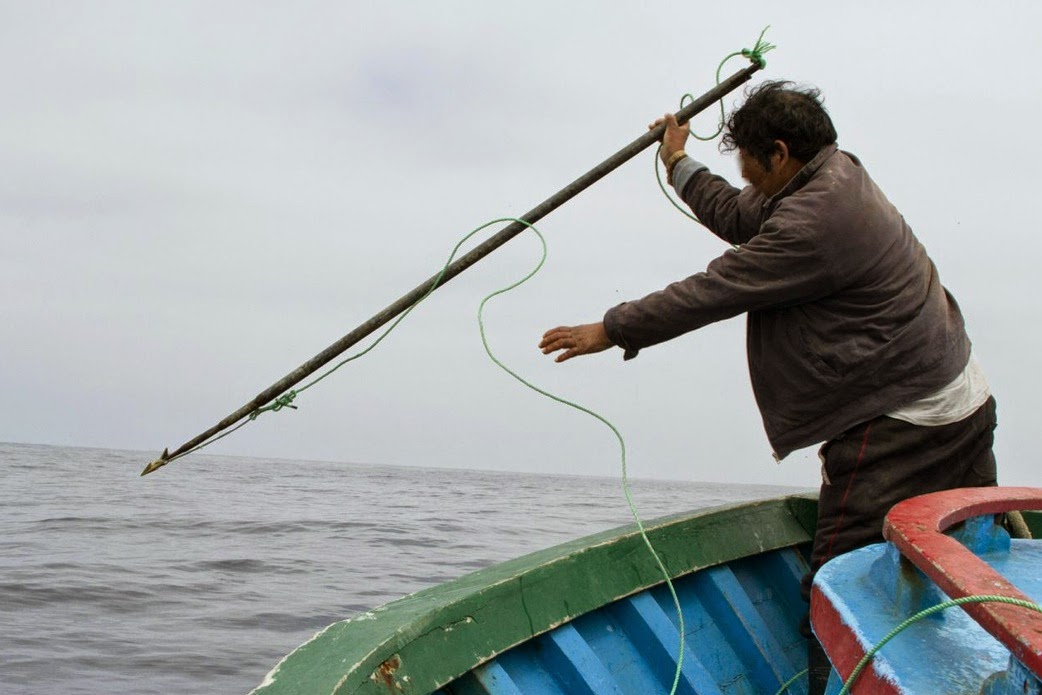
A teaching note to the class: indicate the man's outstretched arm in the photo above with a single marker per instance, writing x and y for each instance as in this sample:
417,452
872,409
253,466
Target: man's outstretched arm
584,339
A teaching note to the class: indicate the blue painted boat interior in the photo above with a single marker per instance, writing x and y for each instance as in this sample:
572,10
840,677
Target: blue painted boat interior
741,631
874,590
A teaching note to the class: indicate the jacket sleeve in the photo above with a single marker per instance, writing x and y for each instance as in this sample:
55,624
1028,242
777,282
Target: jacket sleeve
780,266
733,214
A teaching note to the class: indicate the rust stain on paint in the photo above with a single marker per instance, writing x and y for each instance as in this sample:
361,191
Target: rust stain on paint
385,674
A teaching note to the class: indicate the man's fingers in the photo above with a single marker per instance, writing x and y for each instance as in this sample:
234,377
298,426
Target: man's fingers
575,340
563,343
557,334
554,332
554,336
567,355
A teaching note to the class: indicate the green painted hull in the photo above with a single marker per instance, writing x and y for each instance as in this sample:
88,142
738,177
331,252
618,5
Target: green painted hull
419,643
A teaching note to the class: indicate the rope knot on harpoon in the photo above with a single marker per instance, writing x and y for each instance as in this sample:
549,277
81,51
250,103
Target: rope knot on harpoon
283,401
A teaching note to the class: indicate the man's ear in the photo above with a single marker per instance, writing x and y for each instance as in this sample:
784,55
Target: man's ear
780,154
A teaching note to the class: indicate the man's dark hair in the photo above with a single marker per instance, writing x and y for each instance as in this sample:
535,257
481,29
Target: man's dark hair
779,110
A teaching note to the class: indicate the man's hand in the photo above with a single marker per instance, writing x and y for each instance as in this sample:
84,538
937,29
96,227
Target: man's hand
575,340
674,138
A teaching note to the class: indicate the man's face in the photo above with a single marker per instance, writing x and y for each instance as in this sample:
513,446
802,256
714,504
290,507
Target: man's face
766,182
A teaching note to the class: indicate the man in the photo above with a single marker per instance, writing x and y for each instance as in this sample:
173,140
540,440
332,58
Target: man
851,338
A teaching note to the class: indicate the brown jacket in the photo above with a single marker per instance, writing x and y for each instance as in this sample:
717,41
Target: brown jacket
847,318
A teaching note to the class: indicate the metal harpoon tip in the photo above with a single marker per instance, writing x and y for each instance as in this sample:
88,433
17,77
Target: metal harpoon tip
158,463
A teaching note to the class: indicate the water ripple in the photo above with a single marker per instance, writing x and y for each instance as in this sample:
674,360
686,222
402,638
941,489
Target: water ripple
202,583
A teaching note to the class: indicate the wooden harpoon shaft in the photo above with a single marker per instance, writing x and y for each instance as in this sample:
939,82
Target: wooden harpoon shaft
485,248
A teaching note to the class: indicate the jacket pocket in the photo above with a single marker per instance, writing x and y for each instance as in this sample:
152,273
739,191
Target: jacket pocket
812,354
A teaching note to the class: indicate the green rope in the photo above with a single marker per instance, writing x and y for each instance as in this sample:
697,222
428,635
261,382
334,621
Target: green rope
755,54
786,684
983,598
608,424
286,400
278,404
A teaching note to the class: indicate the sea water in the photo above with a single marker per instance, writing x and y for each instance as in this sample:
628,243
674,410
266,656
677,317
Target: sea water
201,576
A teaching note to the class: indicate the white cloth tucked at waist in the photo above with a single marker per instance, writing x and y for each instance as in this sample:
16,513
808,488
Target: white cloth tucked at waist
956,401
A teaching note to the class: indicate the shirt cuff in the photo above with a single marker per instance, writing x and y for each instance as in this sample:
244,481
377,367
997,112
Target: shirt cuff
615,335
684,170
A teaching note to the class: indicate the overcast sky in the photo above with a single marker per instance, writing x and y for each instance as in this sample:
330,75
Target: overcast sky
196,197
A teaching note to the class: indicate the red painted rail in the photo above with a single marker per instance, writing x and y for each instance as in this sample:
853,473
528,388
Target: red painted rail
917,526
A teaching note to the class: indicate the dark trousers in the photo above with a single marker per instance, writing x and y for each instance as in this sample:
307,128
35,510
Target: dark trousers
873,466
